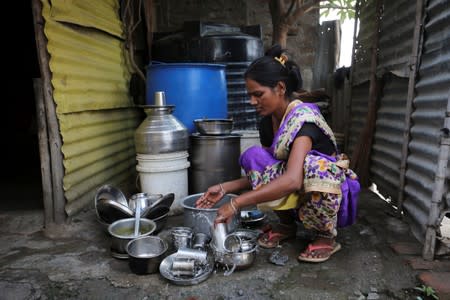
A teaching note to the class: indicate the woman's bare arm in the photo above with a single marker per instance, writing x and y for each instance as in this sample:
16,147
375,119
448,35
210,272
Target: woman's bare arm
287,183
216,192
290,181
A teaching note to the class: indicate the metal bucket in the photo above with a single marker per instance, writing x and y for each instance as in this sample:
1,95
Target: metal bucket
202,219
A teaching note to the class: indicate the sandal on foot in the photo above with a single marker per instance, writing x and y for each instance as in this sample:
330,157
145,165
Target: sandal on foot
271,239
309,252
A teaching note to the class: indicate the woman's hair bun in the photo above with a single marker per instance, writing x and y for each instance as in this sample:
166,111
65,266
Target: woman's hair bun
273,67
295,77
275,51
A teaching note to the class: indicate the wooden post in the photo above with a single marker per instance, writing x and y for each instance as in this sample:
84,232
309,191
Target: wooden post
409,100
148,12
56,163
361,155
44,152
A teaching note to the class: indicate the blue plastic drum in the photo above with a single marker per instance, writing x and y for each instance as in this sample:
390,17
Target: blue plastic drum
198,90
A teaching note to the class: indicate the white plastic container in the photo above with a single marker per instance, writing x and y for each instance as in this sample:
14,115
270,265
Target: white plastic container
248,138
163,174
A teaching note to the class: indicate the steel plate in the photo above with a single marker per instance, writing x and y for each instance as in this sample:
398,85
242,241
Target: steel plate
166,264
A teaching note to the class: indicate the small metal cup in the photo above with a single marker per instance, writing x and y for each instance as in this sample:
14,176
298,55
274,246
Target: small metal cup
194,254
182,237
200,240
182,266
219,233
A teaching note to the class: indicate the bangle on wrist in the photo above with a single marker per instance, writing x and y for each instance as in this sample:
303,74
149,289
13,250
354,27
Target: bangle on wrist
233,206
222,190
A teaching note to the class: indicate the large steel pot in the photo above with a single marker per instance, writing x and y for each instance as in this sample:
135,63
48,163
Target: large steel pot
202,219
240,260
145,254
213,159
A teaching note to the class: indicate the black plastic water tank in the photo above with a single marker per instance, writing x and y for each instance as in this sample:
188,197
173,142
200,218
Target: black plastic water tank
239,108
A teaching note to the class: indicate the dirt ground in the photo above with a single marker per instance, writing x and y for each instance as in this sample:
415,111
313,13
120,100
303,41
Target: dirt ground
74,262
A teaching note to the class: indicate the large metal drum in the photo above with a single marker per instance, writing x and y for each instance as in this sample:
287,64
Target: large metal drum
214,159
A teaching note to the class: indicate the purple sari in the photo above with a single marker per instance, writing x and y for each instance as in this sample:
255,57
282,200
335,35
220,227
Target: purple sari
324,175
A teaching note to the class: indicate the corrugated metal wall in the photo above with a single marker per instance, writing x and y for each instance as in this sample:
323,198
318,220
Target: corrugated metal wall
395,46
387,144
396,34
430,103
367,23
90,78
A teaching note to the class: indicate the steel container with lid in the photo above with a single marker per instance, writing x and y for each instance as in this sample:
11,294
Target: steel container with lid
214,159
160,132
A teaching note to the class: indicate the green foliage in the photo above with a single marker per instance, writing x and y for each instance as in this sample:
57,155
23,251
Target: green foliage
427,291
345,8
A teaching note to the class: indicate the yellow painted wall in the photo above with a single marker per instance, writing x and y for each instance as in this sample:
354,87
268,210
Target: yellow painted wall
90,78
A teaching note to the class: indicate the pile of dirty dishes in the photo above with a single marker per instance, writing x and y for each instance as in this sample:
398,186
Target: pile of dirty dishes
187,266
111,205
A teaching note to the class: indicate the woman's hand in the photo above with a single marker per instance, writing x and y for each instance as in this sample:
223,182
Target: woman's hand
210,197
225,214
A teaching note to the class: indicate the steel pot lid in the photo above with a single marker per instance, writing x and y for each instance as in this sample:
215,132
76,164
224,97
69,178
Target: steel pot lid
110,211
110,192
166,199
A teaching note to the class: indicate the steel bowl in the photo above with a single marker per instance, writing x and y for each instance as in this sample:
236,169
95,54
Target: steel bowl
109,211
252,218
159,215
110,205
122,231
242,259
167,200
145,254
214,126
108,191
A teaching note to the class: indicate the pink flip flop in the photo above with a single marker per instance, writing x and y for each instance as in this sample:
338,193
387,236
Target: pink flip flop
333,249
272,239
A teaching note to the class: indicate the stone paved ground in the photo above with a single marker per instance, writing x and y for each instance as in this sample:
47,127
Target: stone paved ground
379,260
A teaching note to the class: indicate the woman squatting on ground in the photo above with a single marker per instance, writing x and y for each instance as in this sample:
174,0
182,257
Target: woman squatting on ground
298,172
